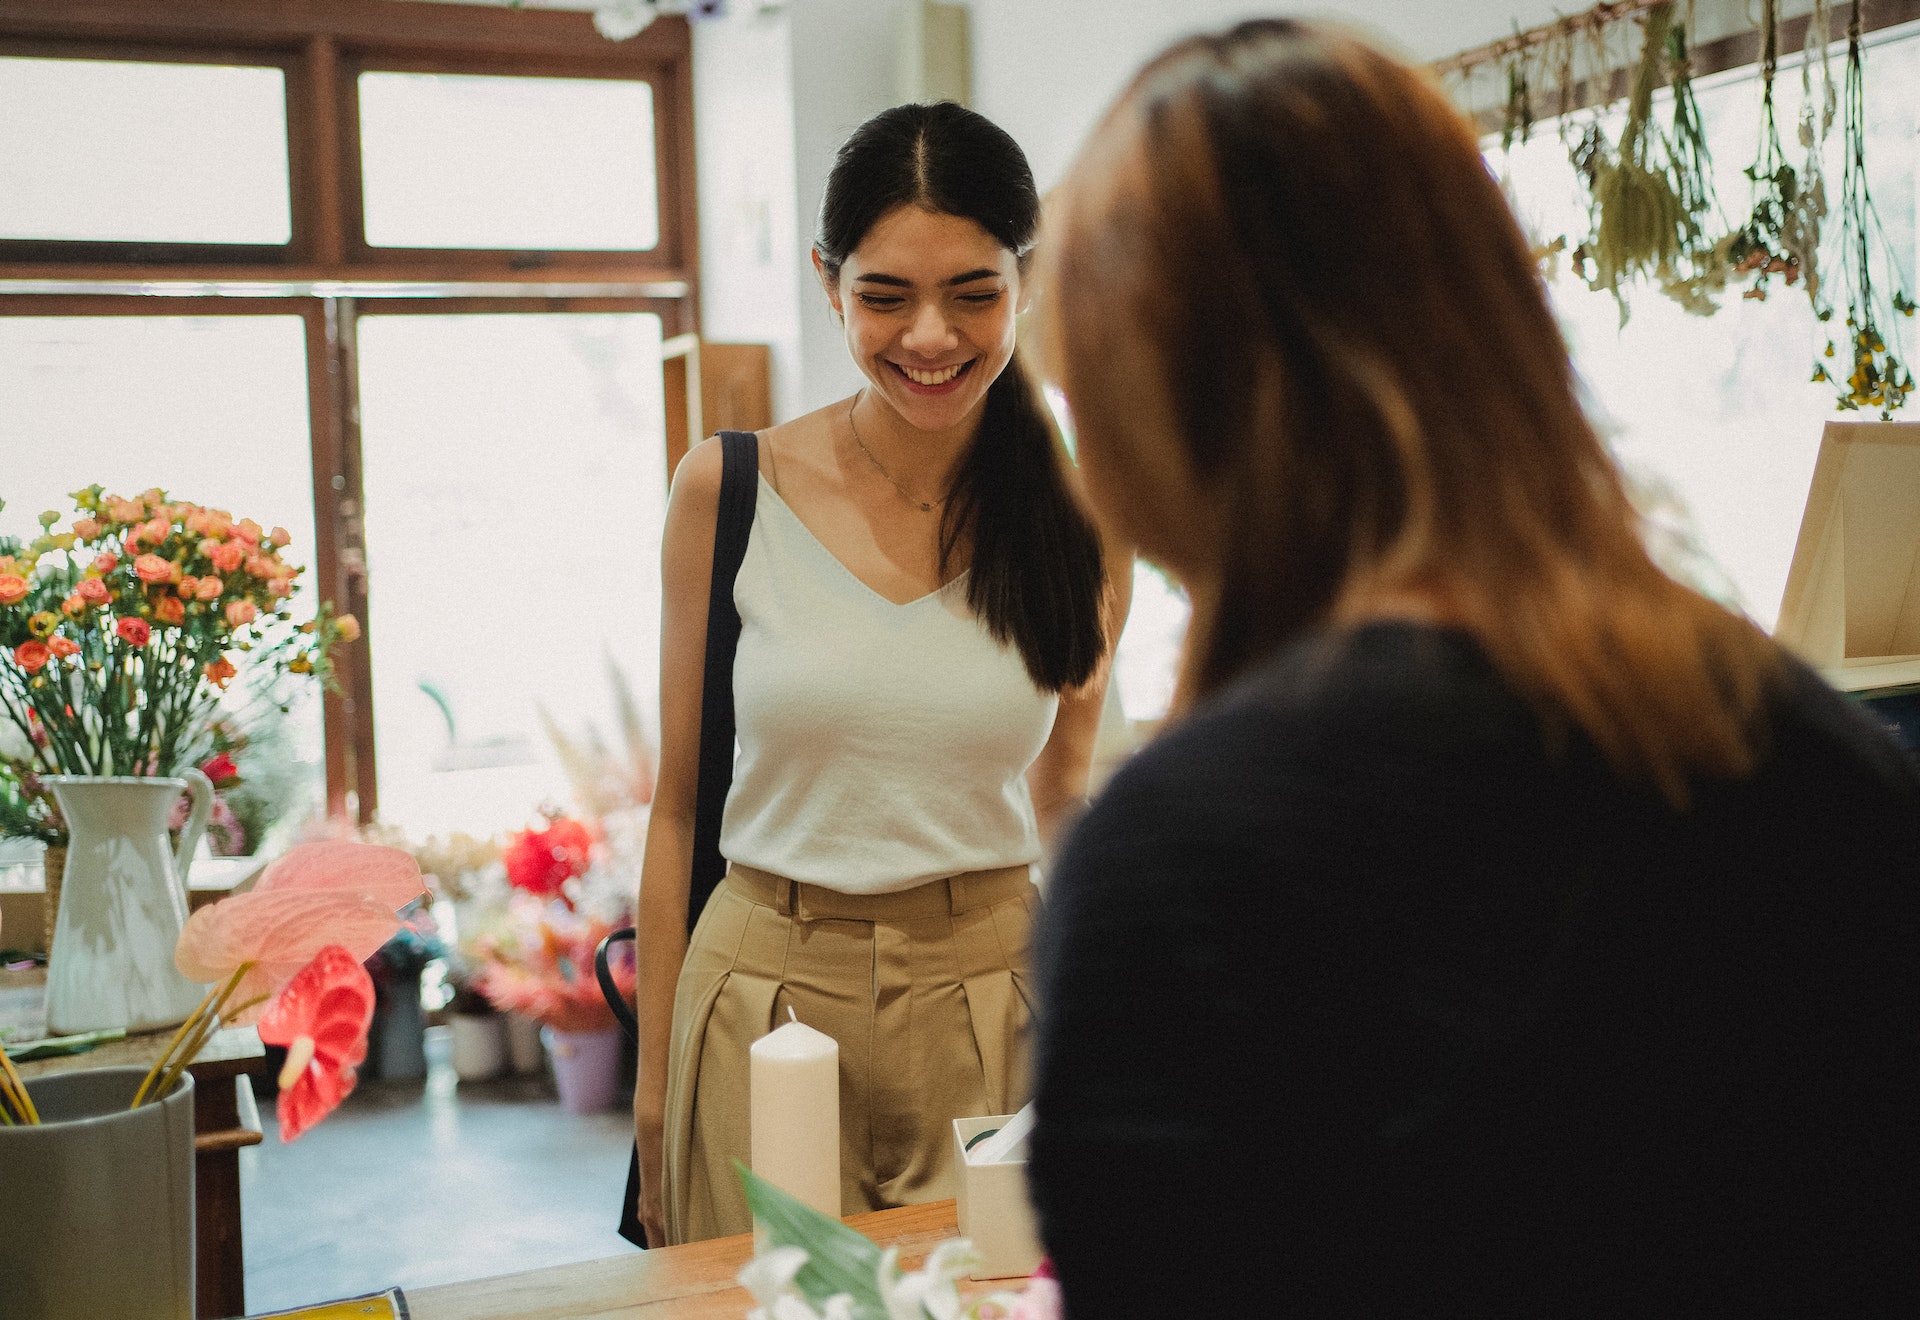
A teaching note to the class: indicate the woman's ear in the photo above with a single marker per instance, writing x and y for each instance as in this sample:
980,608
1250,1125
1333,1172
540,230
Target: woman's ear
832,286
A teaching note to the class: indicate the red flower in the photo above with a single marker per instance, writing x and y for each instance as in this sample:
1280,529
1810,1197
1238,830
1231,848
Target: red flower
62,646
220,769
32,655
134,632
219,671
541,861
321,1016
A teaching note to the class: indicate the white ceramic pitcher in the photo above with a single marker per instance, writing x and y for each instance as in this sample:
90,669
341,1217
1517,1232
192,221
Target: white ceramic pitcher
122,903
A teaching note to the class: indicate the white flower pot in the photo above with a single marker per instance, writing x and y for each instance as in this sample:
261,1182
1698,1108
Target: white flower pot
479,1045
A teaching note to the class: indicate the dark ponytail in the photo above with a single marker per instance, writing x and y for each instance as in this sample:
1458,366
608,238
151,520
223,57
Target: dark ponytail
1037,578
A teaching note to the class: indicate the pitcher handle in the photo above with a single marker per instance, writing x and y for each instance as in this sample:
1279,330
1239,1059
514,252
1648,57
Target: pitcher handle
200,789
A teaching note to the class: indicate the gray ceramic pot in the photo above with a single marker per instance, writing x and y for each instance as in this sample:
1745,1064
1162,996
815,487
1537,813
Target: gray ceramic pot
99,1201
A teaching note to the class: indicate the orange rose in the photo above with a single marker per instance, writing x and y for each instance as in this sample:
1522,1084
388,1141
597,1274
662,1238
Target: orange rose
105,562
73,606
32,655
13,589
86,528
280,536
94,591
219,522
347,627
9,565
134,632
249,531
260,566
157,530
62,647
228,556
219,671
240,613
280,588
208,588
152,568
187,586
170,610
126,511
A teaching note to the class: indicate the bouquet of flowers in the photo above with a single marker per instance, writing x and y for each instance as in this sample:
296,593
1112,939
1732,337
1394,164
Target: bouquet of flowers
539,962
119,635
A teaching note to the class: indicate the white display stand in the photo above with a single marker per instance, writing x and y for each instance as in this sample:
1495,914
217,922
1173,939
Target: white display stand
1852,604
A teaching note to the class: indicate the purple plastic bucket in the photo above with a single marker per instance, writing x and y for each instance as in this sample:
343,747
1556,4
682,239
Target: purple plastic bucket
586,1067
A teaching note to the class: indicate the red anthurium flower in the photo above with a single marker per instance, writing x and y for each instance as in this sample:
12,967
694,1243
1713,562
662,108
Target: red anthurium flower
321,1017
220,769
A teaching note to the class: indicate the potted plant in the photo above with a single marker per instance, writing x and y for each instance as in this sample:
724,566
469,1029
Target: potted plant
120,638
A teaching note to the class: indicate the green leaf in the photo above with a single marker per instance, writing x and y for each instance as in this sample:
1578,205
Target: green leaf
839,1260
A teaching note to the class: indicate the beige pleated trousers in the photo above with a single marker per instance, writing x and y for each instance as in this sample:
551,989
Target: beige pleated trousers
925,991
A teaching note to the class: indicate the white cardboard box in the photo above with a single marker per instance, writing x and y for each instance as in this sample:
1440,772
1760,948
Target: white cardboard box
993,1209
1852,603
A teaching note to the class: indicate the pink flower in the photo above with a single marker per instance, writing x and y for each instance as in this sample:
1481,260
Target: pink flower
248,530
186,586
280,536
1041,1299
280,588
62,647
32,655
321,1017
208,588
13,589
93,591
86,528
260,566
170,610
157,530
105,562
227,555
240,613
126,511
152,568
134,632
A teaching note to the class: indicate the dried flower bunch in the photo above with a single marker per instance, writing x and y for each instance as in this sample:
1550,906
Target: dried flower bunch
121,633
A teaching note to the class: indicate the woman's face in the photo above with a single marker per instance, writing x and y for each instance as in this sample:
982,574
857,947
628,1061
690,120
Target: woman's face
928,303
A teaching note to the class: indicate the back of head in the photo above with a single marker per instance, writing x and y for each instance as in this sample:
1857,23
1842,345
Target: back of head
1282,273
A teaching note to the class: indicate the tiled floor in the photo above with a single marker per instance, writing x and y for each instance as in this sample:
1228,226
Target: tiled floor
416,1183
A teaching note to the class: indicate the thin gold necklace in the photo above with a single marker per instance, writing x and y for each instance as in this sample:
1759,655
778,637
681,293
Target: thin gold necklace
926,506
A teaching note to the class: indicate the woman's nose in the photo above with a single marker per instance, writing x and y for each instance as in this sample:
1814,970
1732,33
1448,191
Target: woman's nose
929,332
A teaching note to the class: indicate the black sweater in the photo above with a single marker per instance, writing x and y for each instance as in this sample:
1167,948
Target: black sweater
1357,996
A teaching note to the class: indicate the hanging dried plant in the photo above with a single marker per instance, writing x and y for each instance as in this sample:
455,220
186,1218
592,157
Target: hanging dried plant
1517,123
1800,233
1641,228
1699,271
1877,379
1761,246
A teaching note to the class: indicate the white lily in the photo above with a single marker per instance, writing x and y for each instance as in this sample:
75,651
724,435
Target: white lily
929,1293
769,1277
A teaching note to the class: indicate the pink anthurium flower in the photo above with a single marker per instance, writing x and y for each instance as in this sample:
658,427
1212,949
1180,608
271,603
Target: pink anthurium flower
321,1017
316,895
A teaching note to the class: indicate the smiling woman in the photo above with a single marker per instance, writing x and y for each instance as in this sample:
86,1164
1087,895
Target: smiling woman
924,624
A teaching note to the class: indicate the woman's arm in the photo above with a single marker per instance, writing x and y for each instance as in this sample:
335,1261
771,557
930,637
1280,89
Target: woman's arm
686,570
1057,780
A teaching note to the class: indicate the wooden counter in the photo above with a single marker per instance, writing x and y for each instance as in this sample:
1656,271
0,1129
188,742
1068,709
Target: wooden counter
694,1282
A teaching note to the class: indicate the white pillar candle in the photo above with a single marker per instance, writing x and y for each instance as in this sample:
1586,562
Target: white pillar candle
794,1103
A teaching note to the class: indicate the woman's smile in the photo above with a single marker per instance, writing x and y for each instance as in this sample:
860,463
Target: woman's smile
933,380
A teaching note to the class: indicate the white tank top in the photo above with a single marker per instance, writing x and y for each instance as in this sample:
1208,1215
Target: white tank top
880,745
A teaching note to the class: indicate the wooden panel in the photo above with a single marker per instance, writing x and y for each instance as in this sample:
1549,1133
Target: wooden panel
680,381
326,409
736,387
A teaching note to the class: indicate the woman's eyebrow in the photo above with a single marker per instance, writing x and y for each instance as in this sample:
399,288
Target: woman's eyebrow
895,281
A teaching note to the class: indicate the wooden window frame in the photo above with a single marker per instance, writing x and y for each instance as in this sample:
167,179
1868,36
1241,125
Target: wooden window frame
327,274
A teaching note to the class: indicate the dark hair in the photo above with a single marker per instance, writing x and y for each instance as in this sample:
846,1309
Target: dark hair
1037,579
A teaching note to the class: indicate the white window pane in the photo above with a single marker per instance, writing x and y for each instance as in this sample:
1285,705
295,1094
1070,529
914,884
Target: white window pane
459,161
515,480
161,153
211,409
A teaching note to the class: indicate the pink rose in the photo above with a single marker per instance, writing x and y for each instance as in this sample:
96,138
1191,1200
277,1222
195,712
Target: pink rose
219,522
170,610
228,556
280,588
93,591
260,566
152,568
249,531
105,562
158,530
62,647
134,632
126,511
280,536
32,655
86,528
240,613
13,589
208,588
187,586
209,545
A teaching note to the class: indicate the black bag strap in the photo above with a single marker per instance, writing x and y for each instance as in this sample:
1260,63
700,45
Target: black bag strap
739,494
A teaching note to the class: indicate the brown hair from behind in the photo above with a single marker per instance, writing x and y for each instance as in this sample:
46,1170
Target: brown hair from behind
1281,274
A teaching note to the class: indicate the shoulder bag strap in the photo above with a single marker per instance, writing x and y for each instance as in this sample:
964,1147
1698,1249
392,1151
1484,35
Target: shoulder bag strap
739,493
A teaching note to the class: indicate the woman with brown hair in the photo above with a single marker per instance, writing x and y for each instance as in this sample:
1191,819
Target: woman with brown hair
1502,926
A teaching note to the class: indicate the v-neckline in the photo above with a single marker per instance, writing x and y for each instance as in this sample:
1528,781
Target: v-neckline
840,564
